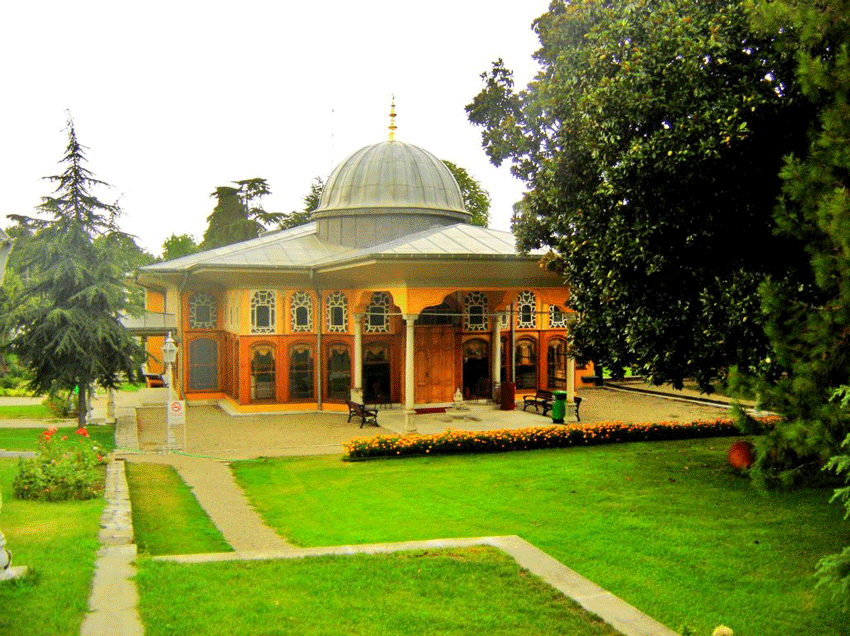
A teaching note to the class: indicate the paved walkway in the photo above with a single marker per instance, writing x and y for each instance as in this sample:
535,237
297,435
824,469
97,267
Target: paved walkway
214,438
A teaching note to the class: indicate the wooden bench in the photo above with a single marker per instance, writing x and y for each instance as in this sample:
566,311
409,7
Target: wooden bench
542,399
366,415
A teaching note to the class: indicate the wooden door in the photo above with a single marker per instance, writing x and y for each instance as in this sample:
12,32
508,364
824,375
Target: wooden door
434,363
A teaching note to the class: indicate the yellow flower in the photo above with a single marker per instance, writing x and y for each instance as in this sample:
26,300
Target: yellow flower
722,630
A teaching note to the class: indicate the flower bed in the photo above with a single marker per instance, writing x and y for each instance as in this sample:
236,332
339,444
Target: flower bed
64,468
454,441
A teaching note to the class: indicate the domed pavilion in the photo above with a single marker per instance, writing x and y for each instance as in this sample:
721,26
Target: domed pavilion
389,295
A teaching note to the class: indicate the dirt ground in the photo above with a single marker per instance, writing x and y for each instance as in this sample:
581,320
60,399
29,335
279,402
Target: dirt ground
212,432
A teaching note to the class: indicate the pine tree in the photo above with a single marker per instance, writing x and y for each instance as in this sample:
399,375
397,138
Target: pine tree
66,330
808,316
238,214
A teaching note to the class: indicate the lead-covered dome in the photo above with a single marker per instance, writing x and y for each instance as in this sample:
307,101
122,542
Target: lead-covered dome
386,191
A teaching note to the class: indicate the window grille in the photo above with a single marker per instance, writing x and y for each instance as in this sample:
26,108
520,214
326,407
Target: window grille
202,311
526,318
475,311
262,311
301,312
337,312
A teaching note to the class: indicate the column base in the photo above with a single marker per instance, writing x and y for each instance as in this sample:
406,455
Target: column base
409,421
571,415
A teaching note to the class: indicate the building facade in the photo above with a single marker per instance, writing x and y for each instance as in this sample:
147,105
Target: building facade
389,295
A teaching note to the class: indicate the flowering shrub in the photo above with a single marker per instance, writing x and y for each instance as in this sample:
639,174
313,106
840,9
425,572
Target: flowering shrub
453,441
65,468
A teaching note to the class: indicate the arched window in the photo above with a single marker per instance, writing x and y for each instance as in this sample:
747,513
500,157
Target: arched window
262,311
203,364
202,311
377,313
301,372
337,312
526,363
301,309
556,364
526,316
475,311
339,372
557,318
262,372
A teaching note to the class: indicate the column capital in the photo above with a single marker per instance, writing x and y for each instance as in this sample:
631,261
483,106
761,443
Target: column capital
409,318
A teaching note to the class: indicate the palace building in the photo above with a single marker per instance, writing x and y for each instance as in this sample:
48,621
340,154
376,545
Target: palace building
388,295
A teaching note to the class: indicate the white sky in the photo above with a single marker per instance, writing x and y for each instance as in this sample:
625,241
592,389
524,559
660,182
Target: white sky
176,98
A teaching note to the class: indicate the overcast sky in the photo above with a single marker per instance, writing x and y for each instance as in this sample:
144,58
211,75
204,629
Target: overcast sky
175,98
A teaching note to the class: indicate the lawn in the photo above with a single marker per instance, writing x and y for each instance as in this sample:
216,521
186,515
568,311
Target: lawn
27,412
58,542
167,519
474,591
26,439
668,526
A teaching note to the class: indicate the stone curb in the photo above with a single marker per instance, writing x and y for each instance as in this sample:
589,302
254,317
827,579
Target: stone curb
623,617
113,604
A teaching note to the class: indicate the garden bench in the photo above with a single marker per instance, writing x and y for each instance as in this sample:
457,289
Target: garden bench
152,380
366,415
542,399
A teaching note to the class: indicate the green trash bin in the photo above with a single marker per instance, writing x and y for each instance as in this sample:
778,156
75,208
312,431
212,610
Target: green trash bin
559,406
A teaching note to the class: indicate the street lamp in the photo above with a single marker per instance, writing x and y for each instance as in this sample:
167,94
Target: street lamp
169,356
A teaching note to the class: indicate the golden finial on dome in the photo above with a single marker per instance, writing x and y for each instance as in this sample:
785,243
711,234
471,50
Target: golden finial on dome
392,119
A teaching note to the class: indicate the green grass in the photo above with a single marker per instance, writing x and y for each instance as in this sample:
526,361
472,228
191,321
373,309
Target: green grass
668,526
26,439
474,591
26,411
167,519
58,542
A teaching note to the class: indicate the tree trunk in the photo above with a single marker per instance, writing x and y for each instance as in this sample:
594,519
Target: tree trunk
82,411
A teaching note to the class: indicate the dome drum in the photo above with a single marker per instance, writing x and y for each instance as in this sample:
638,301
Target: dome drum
385,191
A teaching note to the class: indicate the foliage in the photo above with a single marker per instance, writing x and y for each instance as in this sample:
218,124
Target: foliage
238,214
454,441
65,468
178,245
66,326
834,570
807,318
311,202
650,143
476,199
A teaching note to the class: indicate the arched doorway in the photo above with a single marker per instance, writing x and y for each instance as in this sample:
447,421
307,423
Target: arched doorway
476,368
376,372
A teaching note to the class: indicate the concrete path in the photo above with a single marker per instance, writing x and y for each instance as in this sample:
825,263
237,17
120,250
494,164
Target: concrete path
213,485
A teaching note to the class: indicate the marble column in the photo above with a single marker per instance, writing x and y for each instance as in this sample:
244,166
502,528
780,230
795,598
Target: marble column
409,382
357,387
496,372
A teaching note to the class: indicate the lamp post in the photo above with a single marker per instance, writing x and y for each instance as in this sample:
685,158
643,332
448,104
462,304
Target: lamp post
169,356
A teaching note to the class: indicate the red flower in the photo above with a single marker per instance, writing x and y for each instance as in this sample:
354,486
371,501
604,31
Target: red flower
82,431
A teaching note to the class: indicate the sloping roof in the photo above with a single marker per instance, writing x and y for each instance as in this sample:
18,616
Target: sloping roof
300,248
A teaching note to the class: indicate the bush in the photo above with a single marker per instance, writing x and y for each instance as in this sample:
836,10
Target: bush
66,467
62,404
452,441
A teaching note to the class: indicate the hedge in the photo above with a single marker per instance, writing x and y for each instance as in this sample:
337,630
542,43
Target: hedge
453,441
